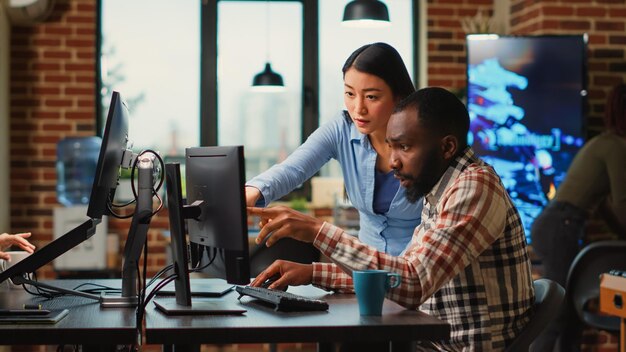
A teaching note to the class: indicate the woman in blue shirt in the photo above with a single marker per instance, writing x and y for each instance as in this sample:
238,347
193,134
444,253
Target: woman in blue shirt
375,79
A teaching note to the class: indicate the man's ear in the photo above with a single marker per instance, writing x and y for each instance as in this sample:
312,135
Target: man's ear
449,146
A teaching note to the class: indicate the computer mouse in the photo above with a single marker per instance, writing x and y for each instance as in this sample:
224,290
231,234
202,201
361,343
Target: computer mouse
271,280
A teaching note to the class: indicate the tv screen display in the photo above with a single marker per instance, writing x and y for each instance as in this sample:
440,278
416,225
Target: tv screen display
525,96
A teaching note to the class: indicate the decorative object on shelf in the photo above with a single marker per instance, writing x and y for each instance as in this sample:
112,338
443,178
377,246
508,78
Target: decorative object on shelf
366,13
481,23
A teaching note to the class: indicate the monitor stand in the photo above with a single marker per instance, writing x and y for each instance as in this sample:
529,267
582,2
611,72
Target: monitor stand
183,304
137,235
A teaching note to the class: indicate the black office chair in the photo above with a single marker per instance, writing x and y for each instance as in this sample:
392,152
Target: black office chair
287,249
549,296
583,281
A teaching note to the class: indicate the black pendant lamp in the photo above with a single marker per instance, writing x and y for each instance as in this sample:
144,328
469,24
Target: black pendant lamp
267,80
366,13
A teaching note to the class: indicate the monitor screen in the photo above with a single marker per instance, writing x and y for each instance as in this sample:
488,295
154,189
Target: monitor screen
216,176
526,101
114,144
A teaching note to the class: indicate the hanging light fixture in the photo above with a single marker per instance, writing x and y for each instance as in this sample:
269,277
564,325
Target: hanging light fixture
267,80
366,13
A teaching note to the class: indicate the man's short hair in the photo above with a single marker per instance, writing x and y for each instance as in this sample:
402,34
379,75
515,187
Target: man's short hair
439,111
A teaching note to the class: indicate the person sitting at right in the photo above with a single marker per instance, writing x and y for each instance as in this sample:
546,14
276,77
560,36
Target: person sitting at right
467,262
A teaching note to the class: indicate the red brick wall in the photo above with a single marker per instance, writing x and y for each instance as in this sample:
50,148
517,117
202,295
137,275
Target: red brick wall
446,40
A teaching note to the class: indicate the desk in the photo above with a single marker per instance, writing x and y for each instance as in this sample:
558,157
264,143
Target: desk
260,324
86,323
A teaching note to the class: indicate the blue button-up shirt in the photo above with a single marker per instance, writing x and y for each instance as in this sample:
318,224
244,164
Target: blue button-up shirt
340,140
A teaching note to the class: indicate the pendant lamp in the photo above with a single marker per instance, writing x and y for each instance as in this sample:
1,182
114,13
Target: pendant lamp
267,80
366,13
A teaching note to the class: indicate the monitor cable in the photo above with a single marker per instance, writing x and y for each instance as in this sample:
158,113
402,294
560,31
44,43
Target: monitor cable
158,170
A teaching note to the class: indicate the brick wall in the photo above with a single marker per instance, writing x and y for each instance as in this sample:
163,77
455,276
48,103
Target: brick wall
446,40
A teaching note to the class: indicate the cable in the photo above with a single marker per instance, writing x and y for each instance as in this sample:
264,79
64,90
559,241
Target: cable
211,260
111,205
140,312
40,291
159,273
157,288
98,288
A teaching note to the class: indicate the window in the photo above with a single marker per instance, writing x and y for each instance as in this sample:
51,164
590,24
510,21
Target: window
150,53
268,124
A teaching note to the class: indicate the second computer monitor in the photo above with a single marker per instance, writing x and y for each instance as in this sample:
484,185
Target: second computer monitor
114,144
216,176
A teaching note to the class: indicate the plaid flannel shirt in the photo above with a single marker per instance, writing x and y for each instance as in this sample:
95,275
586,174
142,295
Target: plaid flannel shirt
466,264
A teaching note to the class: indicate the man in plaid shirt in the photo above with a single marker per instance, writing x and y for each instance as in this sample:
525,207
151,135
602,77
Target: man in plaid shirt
467,262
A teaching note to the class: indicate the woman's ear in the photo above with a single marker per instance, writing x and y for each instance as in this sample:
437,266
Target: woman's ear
449,146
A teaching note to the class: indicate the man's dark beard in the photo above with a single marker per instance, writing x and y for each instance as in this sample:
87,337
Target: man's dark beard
427,180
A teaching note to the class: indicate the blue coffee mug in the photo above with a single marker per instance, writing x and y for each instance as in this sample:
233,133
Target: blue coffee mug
370,287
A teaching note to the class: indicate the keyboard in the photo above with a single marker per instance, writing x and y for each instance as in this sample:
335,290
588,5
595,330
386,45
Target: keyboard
281,300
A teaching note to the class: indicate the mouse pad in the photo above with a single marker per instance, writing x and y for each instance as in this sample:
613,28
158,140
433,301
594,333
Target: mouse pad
53,317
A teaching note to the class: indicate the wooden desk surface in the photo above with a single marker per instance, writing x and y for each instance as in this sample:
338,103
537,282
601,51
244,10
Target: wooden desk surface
260,324
86,323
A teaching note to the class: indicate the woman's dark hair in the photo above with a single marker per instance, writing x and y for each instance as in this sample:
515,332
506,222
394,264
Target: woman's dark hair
615,110
382,60
440,111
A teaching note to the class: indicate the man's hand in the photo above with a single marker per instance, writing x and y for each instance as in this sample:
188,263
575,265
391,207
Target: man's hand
291,273
279,222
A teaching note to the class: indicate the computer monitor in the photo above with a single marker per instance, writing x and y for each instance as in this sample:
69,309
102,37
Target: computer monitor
112,153
217,211
526,104
114,144
216,176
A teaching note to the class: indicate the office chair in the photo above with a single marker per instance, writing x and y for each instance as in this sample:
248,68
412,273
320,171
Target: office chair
583,281
549,296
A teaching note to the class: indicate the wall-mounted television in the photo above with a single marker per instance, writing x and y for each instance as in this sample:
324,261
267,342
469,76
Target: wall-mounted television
526,99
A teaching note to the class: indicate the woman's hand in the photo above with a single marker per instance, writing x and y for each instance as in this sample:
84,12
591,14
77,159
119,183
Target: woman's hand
20,240
291,273
252,195
279,222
